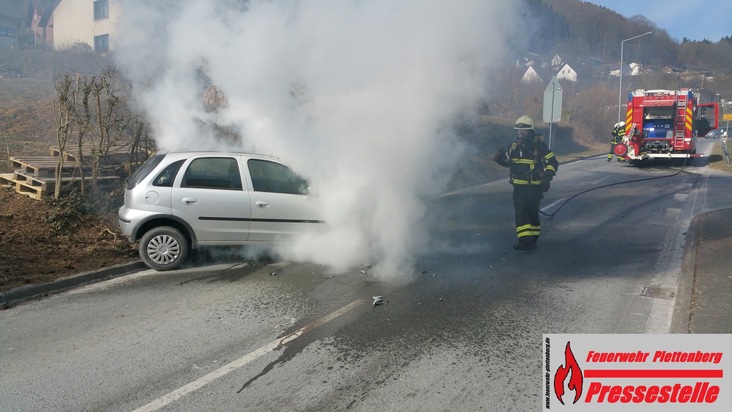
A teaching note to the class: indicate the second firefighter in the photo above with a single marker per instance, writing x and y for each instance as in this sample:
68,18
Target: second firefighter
616,138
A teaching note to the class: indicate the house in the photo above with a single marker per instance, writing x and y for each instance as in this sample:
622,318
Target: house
543,75
670,69
85,21
540,69
632,69
13,15
556,62
531,76
41,17
567,73
636,69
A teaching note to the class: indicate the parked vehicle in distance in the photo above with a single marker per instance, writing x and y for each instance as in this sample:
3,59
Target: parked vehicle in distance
715,134
179,201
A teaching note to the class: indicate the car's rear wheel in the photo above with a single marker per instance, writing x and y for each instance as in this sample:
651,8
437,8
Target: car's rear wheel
163,248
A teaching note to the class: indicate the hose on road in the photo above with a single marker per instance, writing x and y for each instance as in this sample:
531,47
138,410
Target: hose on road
615,184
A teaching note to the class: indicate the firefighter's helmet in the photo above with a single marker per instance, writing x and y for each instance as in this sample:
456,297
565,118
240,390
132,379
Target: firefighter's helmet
619,125
524,122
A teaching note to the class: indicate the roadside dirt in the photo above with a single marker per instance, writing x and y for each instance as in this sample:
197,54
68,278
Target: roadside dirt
32,251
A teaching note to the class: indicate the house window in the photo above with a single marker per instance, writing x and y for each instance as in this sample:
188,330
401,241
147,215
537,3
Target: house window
101,43
6,31
101,9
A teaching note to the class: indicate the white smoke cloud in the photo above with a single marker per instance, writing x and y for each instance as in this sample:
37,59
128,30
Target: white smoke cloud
357,96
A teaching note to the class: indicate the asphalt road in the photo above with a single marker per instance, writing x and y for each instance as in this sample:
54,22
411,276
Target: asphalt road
466,335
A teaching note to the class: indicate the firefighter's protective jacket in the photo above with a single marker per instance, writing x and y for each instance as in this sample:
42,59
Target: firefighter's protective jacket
617,135
530,160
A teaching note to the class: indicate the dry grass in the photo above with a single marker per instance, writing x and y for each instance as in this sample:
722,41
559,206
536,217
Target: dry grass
716,158
27,125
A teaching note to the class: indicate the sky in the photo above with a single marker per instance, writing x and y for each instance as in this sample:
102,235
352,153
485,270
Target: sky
694,19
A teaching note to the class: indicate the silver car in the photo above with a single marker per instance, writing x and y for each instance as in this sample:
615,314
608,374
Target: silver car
715,134
179,201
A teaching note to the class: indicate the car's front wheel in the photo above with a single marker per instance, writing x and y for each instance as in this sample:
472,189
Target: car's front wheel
163,248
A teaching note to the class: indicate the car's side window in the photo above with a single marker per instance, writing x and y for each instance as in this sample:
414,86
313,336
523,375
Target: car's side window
167,176
213,173
276,178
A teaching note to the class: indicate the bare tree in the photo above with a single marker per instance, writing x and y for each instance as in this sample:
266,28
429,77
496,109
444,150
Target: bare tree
64,109
91,112
83,124
106,102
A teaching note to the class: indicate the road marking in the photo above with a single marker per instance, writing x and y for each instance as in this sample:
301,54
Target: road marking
206,379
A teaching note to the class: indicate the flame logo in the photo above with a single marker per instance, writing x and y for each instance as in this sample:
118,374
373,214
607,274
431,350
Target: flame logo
575,381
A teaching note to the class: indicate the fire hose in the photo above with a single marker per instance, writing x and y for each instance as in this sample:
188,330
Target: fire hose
620,183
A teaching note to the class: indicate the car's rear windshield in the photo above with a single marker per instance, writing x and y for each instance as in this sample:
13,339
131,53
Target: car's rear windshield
144,170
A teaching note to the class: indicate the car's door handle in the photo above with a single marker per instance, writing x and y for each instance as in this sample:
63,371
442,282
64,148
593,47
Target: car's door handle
262,204
189,200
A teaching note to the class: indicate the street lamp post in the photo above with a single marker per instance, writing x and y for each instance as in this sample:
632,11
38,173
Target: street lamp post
620,88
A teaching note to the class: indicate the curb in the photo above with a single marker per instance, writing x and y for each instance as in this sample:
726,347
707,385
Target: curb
681,314
13,296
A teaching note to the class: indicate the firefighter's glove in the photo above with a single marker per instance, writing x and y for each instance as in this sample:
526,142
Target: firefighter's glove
545,183
500,157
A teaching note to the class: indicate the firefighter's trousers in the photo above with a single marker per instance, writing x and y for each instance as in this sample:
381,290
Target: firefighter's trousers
526,200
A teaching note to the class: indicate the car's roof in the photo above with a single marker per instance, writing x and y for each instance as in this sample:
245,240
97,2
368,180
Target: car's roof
186,154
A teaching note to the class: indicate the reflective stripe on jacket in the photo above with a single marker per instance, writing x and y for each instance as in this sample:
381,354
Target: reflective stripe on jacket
529,161
617,135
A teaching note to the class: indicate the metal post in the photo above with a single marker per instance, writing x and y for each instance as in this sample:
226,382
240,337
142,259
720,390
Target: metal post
551,119
620,87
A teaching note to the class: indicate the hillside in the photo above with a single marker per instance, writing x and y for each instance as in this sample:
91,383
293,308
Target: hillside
591,30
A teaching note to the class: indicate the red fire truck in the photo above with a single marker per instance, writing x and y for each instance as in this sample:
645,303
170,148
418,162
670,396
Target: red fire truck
665,124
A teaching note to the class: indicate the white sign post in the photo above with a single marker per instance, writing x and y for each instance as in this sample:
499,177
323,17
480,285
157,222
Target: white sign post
552,105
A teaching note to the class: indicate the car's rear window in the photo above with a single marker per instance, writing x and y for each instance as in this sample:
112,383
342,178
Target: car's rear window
144,170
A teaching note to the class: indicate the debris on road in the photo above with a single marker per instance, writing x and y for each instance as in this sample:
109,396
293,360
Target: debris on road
378,300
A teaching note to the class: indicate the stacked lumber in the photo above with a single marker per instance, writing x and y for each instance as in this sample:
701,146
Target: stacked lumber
35,176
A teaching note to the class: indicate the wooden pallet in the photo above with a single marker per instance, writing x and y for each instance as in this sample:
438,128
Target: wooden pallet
40,166
71,153
35,175
37,188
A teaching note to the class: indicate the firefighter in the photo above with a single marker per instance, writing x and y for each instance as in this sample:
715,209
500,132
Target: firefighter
617,138
532,166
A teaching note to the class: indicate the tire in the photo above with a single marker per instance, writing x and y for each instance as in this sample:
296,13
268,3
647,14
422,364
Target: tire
163,248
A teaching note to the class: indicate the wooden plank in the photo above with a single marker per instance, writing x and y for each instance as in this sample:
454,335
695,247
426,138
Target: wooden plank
71,152
6,180
32,191
38,188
